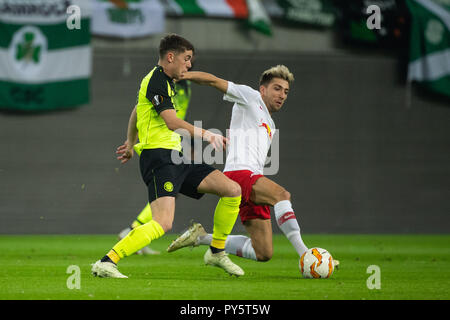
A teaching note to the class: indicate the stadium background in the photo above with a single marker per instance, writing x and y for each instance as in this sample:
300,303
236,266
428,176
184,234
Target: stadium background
361,151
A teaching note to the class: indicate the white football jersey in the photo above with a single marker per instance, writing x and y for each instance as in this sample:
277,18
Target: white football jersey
251,130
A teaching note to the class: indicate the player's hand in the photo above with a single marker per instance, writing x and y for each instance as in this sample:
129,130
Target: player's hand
216,140
125,152
195,76
185,76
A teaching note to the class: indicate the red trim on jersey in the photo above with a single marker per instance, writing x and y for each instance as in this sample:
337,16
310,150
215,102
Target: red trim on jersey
239,8
285,217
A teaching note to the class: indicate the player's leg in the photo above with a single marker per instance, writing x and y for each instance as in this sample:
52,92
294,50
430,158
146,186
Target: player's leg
163,180
260,245
144,216
163,184
227,208
256,219
225,215
257,247
163,213
238,245
265,191
235,244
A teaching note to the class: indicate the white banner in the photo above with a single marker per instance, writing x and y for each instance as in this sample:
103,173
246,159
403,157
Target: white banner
56,65
141,18
45,54
43,12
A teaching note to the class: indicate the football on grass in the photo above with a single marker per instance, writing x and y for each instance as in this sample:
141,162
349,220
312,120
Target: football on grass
316,263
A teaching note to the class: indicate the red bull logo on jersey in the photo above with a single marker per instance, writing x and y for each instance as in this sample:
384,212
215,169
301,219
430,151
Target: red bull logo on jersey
269,132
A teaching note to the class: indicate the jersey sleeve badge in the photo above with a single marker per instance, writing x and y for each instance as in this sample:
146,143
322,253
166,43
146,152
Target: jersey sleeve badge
157,100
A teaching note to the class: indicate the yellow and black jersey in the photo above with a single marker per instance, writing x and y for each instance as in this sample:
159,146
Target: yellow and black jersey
155,95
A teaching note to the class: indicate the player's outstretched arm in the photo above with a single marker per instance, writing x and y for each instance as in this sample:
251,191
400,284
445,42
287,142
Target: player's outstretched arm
206,79
174,123
125,151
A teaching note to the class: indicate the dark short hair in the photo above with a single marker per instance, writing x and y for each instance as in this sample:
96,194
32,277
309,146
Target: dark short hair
174,42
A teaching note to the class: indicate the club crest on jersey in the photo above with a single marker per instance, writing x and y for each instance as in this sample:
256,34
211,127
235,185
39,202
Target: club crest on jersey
269,132
157,100
168,186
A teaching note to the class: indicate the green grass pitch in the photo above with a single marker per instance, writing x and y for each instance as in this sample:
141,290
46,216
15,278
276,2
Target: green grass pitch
411,267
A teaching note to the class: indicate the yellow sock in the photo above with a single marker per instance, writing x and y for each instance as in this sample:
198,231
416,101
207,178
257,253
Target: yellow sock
113,256
227,210
143,217
138,238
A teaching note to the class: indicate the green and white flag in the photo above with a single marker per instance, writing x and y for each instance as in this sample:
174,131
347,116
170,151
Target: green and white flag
208,8
312,12
45,54
252,10
258,18
429,59
139,18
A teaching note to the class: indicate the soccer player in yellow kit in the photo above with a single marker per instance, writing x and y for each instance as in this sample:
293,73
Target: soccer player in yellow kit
181,103
154,122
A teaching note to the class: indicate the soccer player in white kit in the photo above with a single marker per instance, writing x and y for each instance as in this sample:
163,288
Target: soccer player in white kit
251,132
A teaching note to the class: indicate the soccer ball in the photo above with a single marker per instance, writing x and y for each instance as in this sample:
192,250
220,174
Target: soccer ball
316,263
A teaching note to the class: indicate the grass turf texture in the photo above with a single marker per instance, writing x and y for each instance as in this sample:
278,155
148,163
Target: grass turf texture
412,267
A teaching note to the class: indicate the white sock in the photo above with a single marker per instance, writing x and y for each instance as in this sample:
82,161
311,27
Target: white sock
240,246
237,245
205,240
288,224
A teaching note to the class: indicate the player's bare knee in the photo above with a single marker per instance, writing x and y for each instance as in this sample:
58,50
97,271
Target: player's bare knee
263,255
233,190
283,195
